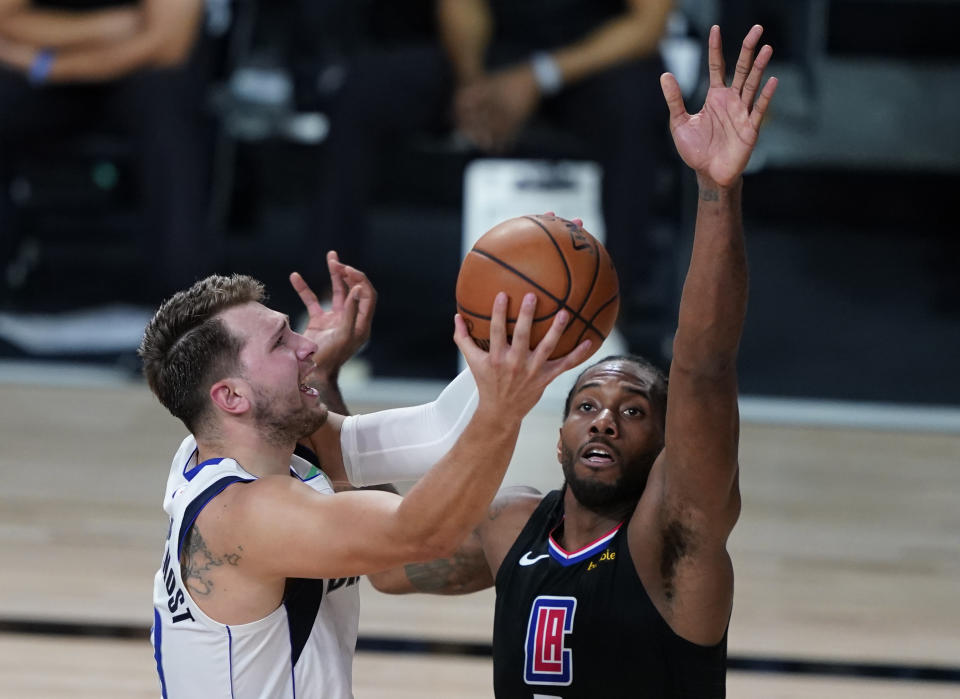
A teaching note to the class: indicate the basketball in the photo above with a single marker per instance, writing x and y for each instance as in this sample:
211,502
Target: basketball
566,267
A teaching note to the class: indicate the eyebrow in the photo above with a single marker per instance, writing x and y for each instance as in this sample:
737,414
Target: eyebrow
645,392
284,322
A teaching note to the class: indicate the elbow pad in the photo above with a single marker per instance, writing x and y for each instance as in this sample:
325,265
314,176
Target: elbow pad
404,443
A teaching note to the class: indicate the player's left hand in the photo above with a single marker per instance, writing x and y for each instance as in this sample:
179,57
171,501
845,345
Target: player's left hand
718,140
341,331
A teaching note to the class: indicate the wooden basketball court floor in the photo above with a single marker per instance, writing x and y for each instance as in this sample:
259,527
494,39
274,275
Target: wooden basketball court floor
847,554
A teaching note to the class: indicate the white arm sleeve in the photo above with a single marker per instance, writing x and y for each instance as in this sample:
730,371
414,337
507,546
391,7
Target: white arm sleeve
403,443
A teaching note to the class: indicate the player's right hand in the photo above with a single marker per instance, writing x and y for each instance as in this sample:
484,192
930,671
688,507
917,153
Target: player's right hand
510,376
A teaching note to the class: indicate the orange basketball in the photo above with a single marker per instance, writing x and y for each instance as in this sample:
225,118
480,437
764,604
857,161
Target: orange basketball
566,267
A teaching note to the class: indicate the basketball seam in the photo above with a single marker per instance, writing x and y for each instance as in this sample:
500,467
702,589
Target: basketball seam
563,258
593,282
561,303
588,325
576,315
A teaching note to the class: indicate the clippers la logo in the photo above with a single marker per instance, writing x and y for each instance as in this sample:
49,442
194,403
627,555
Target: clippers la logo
547,660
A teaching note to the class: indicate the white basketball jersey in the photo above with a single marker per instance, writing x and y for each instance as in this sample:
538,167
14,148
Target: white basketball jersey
302,649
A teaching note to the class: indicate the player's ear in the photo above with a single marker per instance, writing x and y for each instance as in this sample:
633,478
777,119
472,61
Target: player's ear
230,396
560,446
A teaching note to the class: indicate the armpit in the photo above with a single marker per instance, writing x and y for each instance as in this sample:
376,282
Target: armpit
678,542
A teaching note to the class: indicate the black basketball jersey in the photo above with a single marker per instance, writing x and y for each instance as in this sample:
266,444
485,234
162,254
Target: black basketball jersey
580,624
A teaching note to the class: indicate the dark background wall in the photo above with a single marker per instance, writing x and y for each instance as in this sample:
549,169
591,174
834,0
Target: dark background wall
849,207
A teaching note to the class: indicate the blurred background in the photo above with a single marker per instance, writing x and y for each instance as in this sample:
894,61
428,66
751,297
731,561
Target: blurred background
278,131
147,143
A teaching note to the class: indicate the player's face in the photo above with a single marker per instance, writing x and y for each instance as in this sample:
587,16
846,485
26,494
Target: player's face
611,436
277,364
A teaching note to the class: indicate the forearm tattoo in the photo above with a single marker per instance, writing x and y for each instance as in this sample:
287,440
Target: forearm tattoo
196,562
462,572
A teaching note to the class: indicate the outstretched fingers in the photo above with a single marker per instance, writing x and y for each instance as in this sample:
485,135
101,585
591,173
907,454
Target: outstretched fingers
351,308
577,356
498,324
715,61
522,328
752,84
763,101
353,278
550,341
309,299
673,97
745,59
464,341
338,285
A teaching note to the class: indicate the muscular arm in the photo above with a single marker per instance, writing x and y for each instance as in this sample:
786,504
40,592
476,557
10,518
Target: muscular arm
474,565
362,532
165,38
375,531
8,7
693,500
465,29
702,417
490,109
60,29
632,35
465,571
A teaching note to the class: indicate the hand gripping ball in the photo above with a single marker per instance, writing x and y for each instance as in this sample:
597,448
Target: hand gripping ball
566,267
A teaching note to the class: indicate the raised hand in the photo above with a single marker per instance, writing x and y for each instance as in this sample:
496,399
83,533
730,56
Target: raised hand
718,140
341,331
511,377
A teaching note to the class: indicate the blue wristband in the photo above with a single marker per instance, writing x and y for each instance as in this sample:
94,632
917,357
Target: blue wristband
40,68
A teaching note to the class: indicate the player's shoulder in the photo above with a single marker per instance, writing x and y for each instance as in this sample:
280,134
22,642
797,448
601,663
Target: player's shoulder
510,510
245,509
260,492
509,513
516,498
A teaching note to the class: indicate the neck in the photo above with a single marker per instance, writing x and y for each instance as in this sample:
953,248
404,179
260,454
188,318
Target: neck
255,455
582,526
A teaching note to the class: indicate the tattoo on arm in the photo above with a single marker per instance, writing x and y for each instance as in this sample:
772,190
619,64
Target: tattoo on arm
465,571
709,195
468,570
197,561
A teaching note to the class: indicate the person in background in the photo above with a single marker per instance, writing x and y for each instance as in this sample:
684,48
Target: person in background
588,68
137,67
501,74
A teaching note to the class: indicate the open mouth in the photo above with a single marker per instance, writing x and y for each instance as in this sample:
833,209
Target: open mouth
598,455
309,390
